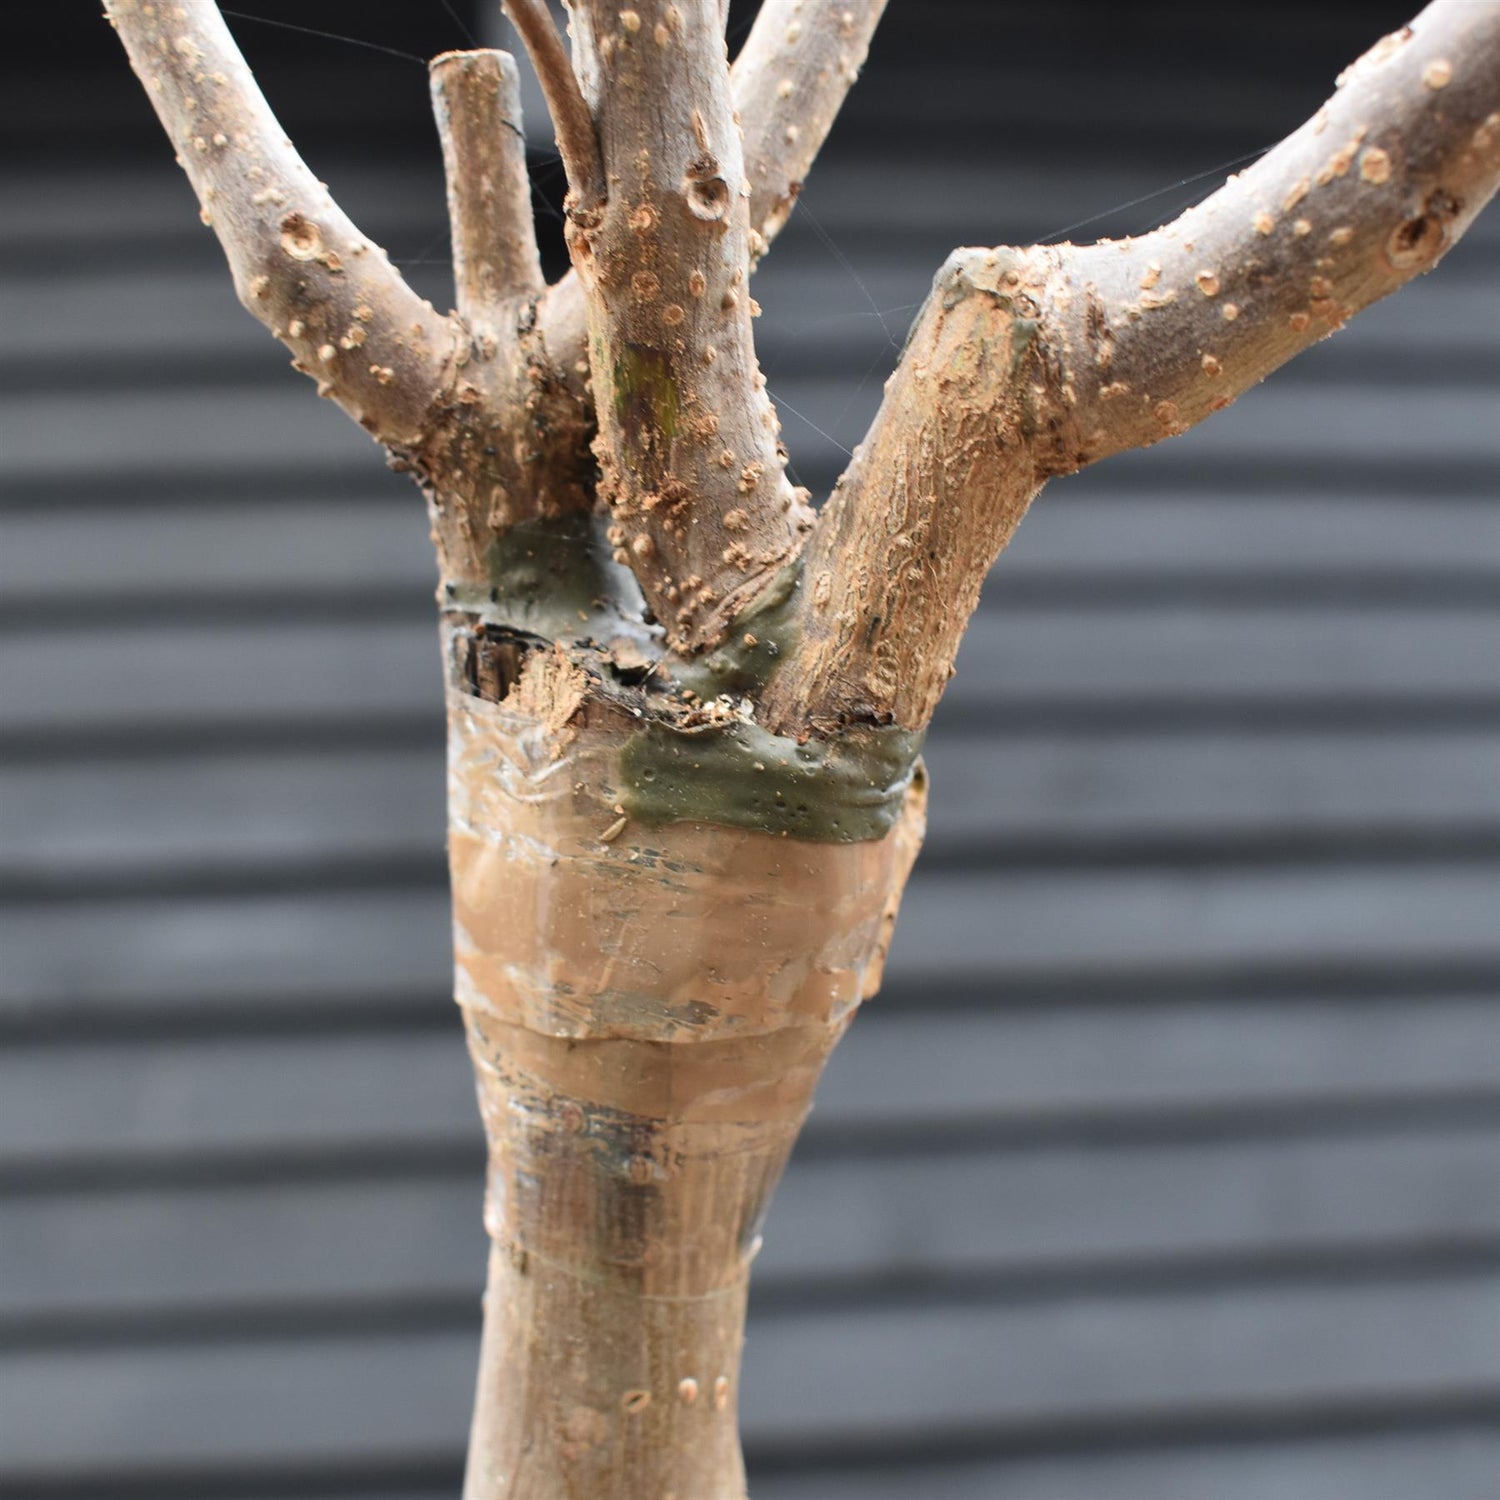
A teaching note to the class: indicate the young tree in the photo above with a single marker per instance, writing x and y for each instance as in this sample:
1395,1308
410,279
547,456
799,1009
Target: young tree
685,710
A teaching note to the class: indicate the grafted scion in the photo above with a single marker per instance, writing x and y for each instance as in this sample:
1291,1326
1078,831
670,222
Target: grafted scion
687,436
1026,364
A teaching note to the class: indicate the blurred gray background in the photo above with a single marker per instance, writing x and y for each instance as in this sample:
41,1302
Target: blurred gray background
1166,1165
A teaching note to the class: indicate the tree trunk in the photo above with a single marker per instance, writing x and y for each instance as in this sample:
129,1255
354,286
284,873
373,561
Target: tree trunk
648,1009
684,709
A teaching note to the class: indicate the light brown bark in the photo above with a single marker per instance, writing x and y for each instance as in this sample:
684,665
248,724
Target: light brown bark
573,122
648,1010
797,64
477,101
329,294
699,502
789,81
1030,363
682,731
506,441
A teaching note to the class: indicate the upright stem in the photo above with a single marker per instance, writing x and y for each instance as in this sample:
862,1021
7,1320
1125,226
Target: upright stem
476,98
690,464
648,1009
579,1393
620,1259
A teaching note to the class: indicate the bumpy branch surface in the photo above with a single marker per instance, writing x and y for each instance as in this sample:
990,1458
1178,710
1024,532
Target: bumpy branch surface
799,61
476,100
787,84
299,265
1026,364
508,443
691,467
1372,191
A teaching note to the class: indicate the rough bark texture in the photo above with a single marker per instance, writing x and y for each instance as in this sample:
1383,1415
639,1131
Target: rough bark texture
800,59
1029,363
683,733
691,467
505,442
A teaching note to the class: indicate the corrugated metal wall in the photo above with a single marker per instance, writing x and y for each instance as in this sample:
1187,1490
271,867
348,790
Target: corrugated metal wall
1166,1166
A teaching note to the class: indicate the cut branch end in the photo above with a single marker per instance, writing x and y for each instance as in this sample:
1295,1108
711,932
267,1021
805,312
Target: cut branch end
477,104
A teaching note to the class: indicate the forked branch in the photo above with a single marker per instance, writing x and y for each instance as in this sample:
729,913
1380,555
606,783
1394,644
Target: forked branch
1026,364
299,265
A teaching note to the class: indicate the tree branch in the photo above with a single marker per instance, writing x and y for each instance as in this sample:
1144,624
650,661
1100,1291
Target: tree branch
509,444
476,101
1025,364
787,84
790,79
691,467
577,142
299,265
1158,333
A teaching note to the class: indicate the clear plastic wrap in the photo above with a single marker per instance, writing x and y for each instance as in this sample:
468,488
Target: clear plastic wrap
648,1009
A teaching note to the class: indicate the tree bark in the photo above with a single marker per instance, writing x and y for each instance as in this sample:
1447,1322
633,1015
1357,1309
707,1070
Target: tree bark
691,470
476,98
300,266
684,719
1029,363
